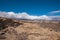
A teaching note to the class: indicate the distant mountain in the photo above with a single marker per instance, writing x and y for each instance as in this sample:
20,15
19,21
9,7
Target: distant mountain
55,17
49,18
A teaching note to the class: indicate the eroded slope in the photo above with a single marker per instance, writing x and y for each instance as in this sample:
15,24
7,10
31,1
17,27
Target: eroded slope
29,30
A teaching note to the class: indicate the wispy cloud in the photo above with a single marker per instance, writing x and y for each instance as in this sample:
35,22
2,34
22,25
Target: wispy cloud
22,15
54,12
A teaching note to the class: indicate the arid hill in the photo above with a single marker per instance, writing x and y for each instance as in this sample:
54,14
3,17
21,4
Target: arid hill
11,29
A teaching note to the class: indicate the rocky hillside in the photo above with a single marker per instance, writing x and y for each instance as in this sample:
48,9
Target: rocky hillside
11,29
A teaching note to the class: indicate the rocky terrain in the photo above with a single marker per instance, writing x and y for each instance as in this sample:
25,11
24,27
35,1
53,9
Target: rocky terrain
11,29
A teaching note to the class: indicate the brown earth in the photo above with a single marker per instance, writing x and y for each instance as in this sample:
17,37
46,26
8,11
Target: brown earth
11,29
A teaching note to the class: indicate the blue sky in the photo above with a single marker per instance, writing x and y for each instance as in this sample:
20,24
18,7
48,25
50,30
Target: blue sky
32,7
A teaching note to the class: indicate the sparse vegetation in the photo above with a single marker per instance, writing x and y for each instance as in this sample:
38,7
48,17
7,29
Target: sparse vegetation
30,30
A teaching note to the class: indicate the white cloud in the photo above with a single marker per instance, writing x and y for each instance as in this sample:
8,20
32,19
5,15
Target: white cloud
22,15
53,12
25,15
